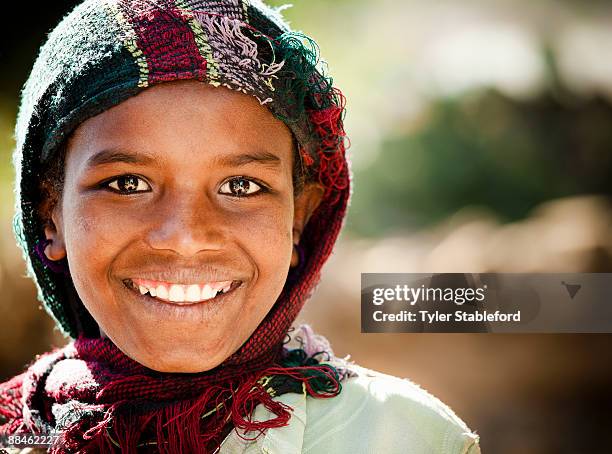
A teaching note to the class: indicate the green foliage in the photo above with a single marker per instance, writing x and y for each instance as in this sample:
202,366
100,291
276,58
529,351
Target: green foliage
486,150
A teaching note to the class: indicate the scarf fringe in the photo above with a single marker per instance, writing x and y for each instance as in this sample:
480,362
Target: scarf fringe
200,424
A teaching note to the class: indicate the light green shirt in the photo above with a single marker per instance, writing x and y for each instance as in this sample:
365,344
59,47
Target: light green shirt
374,413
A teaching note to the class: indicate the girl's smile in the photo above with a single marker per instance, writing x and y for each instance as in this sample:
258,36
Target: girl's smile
178,218
181,311
181,293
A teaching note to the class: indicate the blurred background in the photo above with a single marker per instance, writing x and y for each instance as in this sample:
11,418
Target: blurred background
481,136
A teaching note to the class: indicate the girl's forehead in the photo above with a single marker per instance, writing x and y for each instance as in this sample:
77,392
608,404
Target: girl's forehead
190,116
190,103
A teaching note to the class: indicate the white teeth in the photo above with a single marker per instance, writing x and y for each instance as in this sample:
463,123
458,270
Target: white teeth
176,294
161,292
208,292
193,293
180,293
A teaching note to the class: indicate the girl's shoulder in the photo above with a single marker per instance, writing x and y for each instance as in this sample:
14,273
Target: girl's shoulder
376,412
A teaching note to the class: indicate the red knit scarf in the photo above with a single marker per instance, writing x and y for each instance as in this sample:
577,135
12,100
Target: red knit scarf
100,400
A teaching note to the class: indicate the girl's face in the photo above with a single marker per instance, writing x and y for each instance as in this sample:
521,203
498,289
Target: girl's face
178,219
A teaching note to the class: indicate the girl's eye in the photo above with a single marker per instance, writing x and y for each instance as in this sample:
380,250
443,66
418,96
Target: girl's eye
128,184
240,187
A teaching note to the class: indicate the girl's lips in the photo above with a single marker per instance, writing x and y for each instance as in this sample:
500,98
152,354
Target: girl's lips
180,294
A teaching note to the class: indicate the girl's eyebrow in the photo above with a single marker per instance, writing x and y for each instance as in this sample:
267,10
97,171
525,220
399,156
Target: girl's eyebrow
109,156
112,155
258,157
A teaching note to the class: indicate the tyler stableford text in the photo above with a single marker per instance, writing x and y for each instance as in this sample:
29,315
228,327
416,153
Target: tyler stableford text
457,316
435,305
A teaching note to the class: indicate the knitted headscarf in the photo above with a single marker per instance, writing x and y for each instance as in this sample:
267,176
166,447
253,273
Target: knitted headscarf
102,53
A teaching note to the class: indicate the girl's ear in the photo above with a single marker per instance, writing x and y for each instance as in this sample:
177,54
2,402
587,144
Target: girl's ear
305,204
56,248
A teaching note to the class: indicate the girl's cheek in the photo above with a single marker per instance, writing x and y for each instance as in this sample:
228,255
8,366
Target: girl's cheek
270,226
105,225
94,235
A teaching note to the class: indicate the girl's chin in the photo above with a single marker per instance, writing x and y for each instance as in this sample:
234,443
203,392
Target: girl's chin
191,358
181,368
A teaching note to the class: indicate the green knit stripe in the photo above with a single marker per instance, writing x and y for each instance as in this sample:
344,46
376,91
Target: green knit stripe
131,44
245,9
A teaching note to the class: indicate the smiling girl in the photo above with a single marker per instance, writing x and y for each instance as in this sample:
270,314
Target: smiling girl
181,180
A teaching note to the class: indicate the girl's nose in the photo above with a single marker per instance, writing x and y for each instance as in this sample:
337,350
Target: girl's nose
187,225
